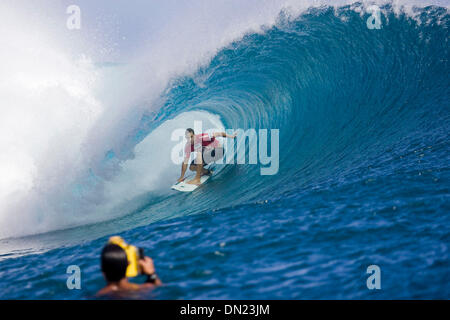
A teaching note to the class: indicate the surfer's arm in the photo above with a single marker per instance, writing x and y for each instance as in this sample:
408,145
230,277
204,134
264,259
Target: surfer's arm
184,165
183,170
223,134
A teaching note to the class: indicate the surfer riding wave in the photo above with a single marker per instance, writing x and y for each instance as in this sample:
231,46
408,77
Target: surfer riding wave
207,150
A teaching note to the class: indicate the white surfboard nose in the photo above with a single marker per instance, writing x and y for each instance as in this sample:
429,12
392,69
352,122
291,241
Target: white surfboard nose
188,187
183,186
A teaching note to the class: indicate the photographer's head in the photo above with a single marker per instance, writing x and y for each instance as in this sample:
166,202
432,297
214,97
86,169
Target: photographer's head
114,262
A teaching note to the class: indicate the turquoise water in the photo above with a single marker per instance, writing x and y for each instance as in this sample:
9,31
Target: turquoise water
363,177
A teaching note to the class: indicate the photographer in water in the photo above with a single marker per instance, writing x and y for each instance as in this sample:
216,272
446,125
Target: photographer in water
120,261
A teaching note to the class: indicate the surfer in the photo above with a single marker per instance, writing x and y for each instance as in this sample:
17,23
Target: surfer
207,148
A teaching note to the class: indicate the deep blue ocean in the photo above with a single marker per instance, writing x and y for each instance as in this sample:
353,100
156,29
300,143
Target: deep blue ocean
364,173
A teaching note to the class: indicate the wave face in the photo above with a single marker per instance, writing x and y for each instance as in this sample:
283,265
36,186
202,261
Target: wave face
349,102
363,117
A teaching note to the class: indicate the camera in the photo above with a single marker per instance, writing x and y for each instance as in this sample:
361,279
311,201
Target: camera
134,254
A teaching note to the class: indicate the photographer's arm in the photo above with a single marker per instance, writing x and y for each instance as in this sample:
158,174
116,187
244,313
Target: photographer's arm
148,269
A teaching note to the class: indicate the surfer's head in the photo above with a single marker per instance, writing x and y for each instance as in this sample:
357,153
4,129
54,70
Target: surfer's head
189,133
114,262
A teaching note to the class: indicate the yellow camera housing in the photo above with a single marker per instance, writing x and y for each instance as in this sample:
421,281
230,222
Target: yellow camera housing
132,252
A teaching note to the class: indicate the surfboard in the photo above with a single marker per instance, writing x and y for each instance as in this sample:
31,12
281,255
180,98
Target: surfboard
187,187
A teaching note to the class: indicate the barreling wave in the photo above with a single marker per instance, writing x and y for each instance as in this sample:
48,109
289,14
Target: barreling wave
342,95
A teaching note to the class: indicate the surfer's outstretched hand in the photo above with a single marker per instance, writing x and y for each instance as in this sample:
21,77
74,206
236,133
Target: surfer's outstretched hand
180,179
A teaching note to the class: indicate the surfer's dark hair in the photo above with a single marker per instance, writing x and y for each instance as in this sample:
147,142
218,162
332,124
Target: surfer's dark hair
114,262
190,130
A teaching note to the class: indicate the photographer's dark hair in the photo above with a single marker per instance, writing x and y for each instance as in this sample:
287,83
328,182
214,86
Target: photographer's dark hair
114,262
190,130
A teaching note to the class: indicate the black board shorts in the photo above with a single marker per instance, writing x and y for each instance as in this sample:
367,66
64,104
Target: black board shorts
213,154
